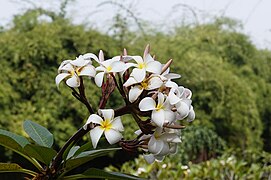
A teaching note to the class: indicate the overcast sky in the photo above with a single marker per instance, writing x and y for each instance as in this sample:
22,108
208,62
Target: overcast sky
254,14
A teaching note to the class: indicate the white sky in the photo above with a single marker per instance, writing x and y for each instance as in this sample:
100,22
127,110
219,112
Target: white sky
254,14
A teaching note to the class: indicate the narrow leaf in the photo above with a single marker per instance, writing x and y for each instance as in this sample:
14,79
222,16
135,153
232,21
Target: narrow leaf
38,133
72,151
41,153
87,156
19,139
101,174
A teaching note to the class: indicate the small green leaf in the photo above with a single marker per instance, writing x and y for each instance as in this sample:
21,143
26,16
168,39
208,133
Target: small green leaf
11,144
101,174
87,156
38,133
13,167
72,151
19,139
41,153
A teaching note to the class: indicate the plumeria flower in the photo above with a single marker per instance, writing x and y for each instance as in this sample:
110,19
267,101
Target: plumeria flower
107,66
181,98
147,64
107,124
73,69
161,143
161,111
151,83
167,77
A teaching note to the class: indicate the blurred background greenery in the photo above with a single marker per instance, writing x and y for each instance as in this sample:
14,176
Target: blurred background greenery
229,76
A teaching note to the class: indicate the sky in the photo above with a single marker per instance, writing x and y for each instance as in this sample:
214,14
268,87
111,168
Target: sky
254,14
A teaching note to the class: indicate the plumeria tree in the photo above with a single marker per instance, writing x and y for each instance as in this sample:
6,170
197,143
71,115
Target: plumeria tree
150,96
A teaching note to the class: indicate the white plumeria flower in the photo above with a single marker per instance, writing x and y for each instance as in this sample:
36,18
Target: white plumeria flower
108,66
81,66
181,98
151,83
147,64
167,77
110,126
161,143
161,112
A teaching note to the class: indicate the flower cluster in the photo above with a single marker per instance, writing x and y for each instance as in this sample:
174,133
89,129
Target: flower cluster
151,96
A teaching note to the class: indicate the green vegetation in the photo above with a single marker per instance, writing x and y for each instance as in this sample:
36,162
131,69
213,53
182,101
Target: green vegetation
229,76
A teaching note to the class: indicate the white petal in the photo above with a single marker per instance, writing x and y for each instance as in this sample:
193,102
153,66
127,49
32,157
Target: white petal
138,59
117,125
158,117
159,158
161,98
172,97
128,65
147,104
148,58
60,77
155,145
100,68
80,61
138,74
94,118
149,158
173,148
170,137
64,63
154,67
95,135
170,116
182,110
90,56
188,93
130,82
191,116
165,150
108,114
154,82
172,76
171,84
99,79
118,66
88,71
101,56
112,136
134,93
67,67
73,81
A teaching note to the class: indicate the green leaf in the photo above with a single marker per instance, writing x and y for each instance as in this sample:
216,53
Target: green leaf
85,147
19,139
72,151
38,133
86,156
13,167
41,153
9,166
11,144
98,173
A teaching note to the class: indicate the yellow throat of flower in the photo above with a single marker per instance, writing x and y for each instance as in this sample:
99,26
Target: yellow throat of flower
106,125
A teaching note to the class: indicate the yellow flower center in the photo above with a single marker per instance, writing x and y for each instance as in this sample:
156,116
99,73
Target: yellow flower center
144,85
106,125
159,107
109,68
141,65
